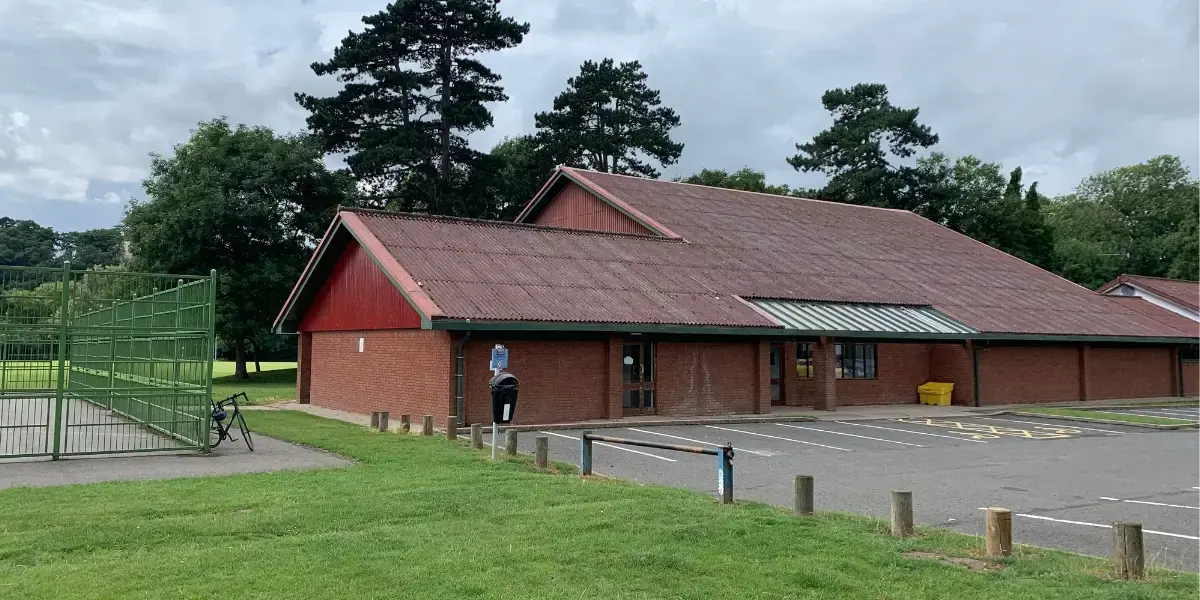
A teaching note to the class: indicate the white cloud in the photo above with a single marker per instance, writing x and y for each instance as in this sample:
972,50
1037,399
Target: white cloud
1060,88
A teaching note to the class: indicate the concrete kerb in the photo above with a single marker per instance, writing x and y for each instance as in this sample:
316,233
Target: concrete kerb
1039,415
651,423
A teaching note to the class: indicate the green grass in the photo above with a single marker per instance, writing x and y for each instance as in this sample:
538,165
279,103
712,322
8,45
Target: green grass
423,518
276,382
1106,416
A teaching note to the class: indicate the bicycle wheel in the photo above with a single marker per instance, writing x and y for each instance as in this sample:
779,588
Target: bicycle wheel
245,431
215,436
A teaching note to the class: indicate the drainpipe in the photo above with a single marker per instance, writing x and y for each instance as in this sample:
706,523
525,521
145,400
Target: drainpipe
975,370
1179,370
458,378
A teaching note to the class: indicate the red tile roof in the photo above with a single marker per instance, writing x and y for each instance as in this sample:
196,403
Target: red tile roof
1180,291
1159,314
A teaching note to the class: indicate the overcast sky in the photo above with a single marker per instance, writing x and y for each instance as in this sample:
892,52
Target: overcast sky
1062,88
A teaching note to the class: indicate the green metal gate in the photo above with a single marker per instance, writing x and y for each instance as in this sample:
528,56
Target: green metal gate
104,361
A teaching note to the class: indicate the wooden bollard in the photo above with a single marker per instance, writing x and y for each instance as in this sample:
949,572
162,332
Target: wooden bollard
998,532
427,425
804,495
375,419
902,513
541,452
452,427
510,442
405,423
476,436
383,420
1129,555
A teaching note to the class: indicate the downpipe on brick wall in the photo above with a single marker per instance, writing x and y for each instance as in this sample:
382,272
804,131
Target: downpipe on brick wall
458,378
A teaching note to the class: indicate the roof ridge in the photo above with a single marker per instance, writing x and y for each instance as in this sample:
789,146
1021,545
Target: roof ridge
1157,278
713,187
503,224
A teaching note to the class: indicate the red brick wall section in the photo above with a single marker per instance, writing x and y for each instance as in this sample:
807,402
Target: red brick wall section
402,371
900,369
561,381
1020,375
762,386
1191,378
303,367
707,378
1130,373
952,363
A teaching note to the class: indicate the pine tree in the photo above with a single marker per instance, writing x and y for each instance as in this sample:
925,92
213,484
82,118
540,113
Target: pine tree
608,119
413,90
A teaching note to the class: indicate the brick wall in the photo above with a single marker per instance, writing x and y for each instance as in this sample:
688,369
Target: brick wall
303,367
952,363
561,381
707,378
1009,375
1129,373
1191,378
402,371
900,368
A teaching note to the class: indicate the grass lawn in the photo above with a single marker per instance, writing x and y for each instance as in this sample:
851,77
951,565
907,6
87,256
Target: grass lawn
1106,416
276,382
424,518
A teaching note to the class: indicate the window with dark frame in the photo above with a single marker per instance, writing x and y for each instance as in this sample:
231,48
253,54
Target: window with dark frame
855,361
804,362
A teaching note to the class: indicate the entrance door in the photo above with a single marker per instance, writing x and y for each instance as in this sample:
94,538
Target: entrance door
776,374
637,379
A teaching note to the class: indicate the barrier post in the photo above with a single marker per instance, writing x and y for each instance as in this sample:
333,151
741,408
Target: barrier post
804,495
427,425
998,532
476,436
383,420
541,452
1129,555
510,442
452,427
585,454
725,474
902,513
405,423
375,419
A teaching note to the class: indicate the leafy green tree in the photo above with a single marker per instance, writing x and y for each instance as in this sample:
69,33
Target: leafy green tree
523,166
26,244
1133,219
246,202
91,248
746,179
413,89
863,149
609,120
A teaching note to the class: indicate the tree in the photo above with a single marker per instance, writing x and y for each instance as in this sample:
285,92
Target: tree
1133,219
92,248
523,166
413,90
26,244
860,151
244,201
609,120
745,179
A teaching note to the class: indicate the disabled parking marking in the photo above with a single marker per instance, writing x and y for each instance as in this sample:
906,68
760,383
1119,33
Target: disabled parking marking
775,437
1150,503
1038,425
571,437
1085,523
948,437
849,435
983,431
760,453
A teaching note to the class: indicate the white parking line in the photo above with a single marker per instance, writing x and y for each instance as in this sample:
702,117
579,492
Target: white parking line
1052,426
848,434
1190,413
775,437
1149,503
1085,523
570,437
695,441
912,432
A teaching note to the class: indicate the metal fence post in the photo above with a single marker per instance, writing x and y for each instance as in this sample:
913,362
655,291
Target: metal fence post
585,454
55,454
725,474
112,356
206,411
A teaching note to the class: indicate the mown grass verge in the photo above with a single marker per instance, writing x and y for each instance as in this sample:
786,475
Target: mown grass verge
1100,415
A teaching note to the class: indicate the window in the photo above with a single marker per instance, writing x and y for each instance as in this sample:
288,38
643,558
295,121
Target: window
804,362
854,361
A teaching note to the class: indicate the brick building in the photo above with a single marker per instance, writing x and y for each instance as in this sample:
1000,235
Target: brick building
619,296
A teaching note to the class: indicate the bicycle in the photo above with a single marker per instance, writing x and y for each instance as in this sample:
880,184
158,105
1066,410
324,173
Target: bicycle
224,419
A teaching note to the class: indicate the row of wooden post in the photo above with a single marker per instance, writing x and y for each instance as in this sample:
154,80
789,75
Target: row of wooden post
541,452
1128,553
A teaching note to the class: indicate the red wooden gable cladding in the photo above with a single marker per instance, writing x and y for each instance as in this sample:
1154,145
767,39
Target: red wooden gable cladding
357,295
576,208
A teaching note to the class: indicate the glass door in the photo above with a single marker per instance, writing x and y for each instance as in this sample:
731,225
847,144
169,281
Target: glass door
776,374
637,378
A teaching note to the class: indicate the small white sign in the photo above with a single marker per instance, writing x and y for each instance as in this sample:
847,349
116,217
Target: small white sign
628,360
360,344
507,412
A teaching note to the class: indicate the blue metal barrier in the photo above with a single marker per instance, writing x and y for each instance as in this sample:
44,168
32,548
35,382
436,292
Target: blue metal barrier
724,456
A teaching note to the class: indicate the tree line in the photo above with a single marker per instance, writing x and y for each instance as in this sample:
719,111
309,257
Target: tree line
252,203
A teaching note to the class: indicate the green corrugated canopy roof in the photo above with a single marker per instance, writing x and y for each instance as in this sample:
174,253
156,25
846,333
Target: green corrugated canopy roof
862,319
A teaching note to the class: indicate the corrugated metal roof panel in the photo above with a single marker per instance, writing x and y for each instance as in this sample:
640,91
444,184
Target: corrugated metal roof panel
861,318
